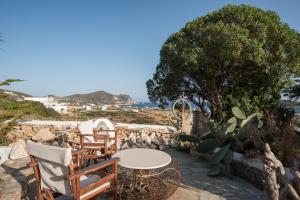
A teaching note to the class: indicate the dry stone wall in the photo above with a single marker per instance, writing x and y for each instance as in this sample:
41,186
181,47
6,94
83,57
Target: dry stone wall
147,138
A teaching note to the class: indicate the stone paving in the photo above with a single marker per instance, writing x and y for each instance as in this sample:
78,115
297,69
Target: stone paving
16,179
16,182
196,185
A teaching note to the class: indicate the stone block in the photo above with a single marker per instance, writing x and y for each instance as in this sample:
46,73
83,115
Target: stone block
44,134
26,127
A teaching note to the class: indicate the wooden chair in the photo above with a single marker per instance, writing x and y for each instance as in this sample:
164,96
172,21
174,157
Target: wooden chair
98,143
56,172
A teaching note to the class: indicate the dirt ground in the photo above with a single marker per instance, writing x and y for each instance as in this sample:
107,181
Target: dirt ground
145,116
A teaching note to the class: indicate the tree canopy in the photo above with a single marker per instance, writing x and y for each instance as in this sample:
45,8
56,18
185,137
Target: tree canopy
236,56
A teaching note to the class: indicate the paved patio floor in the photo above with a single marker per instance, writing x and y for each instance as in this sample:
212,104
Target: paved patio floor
196,185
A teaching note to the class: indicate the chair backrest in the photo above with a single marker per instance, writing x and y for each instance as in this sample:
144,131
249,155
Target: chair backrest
87,127
104,124
52,163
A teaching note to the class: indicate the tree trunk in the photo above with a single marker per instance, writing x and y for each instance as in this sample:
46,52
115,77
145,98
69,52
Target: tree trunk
272,166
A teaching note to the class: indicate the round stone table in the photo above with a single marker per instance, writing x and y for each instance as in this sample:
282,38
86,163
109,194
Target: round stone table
146,174
141,158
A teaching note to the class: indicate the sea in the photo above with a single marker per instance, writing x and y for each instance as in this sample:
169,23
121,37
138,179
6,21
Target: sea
297,109
156,105
148,105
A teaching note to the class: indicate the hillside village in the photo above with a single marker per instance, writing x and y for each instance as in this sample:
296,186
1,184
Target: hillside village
96,101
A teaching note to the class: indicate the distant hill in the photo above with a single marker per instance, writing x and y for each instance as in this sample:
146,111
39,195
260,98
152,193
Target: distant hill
14,94
98,98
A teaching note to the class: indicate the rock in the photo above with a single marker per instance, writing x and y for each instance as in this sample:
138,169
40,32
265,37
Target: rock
133,139
161,147
43,134
130,135
64,145
143,134
28,134
144,145
17,128
172,143
147,140
138,145
164,141
129,143
55,143
134,146
139,140
26,127
18,150
153,146
152,135
155,141
124,146
186,124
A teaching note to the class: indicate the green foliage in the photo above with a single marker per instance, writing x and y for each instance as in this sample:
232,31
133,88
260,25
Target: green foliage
238,113
14,110
207,145
25,110
253,119
223,154
4,130
227,135
9,81
231,127
220,155
189,138
236,56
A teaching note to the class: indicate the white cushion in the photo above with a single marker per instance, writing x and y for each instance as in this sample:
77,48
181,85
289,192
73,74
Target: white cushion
53,162
87,128
98,124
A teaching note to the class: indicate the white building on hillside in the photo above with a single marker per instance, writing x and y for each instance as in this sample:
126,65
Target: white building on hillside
49,102
87,107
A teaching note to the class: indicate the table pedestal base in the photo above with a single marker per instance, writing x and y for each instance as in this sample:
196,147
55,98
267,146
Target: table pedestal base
154,184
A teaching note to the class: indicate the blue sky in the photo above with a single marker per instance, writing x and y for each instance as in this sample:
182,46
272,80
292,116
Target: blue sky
63,47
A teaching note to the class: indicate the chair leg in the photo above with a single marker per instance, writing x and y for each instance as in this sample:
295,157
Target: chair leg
88,162
115,195
95,160
49,194
39,194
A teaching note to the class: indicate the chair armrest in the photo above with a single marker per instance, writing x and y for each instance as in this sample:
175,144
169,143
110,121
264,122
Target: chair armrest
93,168
72,142
95,130
76,152
98,136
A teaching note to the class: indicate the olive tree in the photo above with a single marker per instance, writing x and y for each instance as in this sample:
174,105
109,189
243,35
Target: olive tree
236,56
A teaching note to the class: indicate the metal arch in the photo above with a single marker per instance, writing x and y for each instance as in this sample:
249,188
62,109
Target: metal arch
184,100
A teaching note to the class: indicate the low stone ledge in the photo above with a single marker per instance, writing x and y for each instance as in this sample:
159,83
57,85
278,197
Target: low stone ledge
251,169
15,176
